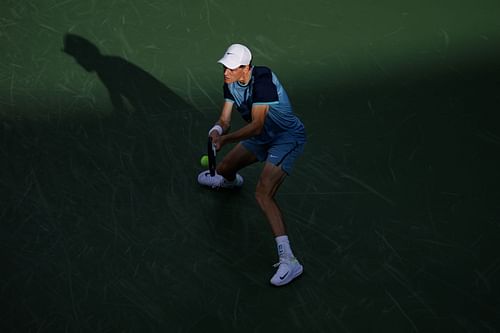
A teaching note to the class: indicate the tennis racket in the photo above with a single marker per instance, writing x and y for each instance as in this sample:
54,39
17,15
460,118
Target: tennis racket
212,152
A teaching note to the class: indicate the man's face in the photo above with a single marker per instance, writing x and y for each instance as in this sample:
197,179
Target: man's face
238,74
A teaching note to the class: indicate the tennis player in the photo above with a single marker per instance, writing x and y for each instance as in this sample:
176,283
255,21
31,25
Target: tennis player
273,135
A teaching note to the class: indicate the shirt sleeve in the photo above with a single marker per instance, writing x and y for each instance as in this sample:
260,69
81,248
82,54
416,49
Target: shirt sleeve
227,93
264,90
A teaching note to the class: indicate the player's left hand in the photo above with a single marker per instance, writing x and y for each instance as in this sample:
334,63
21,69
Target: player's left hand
219,142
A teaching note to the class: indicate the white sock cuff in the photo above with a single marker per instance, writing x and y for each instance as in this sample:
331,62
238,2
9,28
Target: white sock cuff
283,245
282,239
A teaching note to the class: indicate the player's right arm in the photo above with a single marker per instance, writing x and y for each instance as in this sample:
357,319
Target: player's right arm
224,120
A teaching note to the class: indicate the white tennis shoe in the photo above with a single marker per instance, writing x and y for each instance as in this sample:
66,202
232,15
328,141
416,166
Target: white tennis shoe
288,269
217,181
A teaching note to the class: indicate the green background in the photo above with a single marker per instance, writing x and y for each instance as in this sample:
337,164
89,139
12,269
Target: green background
393,208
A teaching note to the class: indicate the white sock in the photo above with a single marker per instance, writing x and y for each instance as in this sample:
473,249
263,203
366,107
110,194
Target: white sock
283,245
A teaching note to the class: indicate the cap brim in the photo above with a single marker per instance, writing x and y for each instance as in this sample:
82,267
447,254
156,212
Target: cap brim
229,63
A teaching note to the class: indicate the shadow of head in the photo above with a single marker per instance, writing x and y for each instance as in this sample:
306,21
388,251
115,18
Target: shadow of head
135,94
85,53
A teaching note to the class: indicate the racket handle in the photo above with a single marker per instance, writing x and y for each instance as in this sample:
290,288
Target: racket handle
212,152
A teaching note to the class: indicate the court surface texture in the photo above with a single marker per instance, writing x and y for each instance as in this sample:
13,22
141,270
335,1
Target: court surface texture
393,208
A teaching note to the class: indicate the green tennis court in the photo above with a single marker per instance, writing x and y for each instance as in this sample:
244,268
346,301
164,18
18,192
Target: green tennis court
393,208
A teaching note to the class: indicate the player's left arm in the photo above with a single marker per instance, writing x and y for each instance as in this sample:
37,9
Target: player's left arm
259,113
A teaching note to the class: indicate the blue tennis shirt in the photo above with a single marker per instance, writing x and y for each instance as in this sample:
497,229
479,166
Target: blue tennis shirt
265,88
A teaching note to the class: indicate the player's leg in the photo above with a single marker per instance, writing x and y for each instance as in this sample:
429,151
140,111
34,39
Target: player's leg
271,178
279,163
288,266
237,158
280,159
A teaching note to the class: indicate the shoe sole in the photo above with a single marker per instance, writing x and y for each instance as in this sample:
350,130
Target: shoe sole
234,188
220,188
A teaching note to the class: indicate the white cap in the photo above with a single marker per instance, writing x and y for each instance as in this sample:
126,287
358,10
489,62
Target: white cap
236,55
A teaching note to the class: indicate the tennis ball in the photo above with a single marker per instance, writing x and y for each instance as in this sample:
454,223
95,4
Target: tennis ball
204,161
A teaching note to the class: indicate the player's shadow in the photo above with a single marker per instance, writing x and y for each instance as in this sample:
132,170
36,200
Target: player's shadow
123,80
141,103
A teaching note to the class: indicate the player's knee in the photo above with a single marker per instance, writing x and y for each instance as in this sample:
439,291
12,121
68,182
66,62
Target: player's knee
262,193
260,198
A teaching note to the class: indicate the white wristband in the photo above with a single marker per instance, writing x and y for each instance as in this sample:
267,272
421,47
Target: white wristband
217,128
